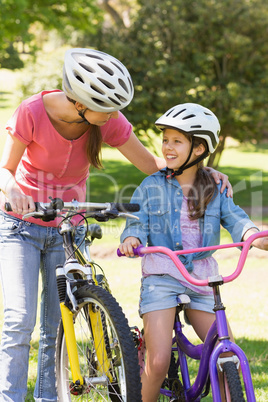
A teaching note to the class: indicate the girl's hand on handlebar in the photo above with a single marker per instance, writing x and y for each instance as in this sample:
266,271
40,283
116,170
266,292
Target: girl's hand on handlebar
261,242
128,245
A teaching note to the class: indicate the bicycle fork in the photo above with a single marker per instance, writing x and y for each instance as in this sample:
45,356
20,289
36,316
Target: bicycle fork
68,325
225,345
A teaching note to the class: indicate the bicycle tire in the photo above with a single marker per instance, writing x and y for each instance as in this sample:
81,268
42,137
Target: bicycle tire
173,384
118,342
230,372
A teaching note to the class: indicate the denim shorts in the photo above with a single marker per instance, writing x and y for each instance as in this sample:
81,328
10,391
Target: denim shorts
159,292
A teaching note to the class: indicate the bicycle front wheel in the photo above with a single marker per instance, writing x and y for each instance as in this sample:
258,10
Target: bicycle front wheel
107,355
232,377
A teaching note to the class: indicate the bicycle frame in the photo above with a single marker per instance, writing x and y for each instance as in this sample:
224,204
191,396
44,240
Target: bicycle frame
207,353
77,278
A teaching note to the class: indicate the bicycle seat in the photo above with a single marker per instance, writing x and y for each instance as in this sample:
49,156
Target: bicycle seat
183,299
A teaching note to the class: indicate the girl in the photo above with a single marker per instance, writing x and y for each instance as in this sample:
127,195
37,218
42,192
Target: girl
181,208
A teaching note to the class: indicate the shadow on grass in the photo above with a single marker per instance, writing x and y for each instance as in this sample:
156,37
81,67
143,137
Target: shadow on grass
119,179
249,147
255,350
257,354
5,99
115,183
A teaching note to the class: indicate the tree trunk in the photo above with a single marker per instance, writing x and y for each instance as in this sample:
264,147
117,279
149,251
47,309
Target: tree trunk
214,159
113,13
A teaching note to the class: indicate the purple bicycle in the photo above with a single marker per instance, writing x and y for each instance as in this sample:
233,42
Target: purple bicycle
177,386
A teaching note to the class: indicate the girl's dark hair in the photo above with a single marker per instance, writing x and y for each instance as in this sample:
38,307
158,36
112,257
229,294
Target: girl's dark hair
94,143
204,187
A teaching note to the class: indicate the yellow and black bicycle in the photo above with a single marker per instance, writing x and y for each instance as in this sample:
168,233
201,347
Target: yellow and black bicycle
96,356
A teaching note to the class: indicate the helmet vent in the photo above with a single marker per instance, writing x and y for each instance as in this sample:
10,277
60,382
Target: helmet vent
117,66
188,117
208,114
79,78
107,84
130,83
94,56
87,68
121,98
96,89
106,69
114,101
170,112
197,126
177,114
123,85
98,101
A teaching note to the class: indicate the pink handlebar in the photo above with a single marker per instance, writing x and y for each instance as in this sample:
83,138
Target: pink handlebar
141,251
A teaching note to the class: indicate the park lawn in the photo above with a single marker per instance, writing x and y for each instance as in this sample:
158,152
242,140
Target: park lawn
246,299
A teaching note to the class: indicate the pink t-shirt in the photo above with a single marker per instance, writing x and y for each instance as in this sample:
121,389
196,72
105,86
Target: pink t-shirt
191,238
52,165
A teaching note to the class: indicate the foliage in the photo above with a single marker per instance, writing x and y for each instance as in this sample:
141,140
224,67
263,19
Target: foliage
245,166
18,18
10,58
44,74
209,52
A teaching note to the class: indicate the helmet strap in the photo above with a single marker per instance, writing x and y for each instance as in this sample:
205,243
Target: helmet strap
82,114
172,173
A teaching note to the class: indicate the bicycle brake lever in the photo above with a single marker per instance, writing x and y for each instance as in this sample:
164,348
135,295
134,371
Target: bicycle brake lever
45,215
126,215
34,214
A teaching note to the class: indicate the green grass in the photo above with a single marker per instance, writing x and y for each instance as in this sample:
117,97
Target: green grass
246,298
247,168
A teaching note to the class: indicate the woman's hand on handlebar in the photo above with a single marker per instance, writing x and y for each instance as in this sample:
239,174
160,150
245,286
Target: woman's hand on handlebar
127,246
20,203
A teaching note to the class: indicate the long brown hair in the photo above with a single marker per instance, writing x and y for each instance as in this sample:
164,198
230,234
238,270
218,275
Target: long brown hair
204,188
94,143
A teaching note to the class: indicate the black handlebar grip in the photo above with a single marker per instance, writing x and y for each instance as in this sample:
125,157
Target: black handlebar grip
8,207
126,207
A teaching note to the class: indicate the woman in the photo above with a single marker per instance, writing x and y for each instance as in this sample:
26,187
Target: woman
53,138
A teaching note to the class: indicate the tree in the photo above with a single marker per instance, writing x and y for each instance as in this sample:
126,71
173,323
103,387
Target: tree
207,51
18,17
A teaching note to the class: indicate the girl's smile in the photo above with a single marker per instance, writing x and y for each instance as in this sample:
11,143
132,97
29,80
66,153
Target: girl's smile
175,148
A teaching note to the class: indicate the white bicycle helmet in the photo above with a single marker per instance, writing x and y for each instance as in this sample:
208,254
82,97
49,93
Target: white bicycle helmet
97,80
191,118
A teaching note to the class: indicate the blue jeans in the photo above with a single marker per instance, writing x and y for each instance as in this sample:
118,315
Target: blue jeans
27,249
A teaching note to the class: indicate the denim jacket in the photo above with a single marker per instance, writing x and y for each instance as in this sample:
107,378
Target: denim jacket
160,201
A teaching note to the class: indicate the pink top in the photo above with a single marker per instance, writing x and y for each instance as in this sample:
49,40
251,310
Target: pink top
191,238
52,165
